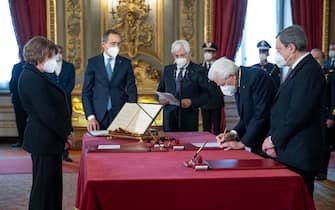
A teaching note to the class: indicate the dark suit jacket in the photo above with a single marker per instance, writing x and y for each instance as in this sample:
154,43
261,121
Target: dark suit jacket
272,70
254,99
330,96
297,116
49,122
97,88
194,87
328,65
65,80
16,72
216,98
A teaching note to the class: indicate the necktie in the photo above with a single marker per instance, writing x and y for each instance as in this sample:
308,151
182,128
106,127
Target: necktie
178,82
109,68
289,73
109,73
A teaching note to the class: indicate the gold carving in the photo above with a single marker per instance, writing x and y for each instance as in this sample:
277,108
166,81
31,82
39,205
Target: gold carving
74,37
325,25
208,26
129,20
187,27
51,20
74,54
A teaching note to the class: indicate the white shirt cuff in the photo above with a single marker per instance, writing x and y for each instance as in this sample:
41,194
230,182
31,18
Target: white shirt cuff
92,116
235,133
247,148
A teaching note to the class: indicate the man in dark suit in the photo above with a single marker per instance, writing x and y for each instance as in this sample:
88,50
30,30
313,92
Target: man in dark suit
272,69
20,113
253,90
212,110
64,76
319,56
109,83
296,136
330,62
187,82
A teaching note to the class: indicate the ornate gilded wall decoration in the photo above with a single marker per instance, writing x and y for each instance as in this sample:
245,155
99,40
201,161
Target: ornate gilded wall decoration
129,20
74,54
208,26
188,18
51,20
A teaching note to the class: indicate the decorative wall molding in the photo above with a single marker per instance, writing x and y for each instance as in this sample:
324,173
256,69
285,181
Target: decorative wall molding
325,26
188,23
208,26
51,20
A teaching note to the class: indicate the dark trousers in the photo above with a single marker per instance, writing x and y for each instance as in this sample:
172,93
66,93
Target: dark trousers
211,118
21,120
107,119
47,187
178,119
325,156
308,176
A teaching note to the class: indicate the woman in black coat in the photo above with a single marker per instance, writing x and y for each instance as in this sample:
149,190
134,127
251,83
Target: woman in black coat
48,129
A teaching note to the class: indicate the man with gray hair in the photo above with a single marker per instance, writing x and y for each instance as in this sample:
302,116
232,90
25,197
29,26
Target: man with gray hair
253,90
187,82
296,135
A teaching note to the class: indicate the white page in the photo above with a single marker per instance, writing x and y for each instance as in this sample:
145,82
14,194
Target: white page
169,97
208,145
108,146
99,133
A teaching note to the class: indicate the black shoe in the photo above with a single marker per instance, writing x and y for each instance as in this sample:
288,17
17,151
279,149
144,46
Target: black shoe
67,159
17,144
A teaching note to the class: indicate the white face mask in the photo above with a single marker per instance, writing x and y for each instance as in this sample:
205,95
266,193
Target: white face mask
180,62
262,57
50,66
113,51
208,56
228,90
59,57
331,53
280,60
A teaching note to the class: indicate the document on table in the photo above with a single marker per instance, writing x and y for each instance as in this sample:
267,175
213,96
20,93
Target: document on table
99,133
208,145
169,97
109,146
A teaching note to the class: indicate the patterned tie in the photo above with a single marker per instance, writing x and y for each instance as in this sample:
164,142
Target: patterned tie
178,82
109,68
109,73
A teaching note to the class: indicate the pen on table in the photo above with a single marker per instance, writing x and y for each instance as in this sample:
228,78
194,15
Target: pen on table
197,153
224,133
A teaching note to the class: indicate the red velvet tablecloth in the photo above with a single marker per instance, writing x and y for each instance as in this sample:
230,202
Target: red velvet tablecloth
158,180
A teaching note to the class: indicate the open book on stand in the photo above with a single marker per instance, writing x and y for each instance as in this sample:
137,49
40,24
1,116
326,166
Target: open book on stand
134,119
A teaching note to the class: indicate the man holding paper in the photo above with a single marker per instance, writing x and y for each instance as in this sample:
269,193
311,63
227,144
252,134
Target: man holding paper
186,81
253,90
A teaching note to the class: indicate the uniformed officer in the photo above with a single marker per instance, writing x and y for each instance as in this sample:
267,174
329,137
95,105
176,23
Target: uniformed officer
330,62
272,69
211,112
330,114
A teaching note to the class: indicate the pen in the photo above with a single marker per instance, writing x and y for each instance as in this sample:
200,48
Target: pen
224,133
197,153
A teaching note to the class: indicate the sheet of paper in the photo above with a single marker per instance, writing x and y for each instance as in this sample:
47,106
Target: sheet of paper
169,97
108,146
99,133
208,145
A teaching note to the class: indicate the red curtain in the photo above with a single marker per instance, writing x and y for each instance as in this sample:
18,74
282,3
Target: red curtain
228,20
308,14
29,20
